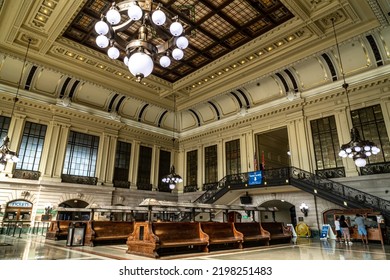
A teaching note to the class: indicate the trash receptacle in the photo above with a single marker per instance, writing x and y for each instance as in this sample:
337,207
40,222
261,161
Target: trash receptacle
76,233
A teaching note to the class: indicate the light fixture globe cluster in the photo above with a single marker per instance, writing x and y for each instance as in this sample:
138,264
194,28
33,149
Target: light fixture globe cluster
357,149
172,178
141,52
6,155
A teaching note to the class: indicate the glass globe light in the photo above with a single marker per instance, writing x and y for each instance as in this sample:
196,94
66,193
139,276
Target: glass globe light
102,41
126,61
367,148
350,155
113,16
368,154
113,53
134,12
140,64
177,54
182,42
176,28
101,28
171,186
158,17
360,162
375,150
165,61
348,150
357,149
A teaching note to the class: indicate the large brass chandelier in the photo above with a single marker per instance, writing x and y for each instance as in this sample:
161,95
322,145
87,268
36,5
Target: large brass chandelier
6,154
160,36
357,149
172,179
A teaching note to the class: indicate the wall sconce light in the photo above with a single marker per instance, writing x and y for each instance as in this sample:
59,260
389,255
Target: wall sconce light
304,208
25,194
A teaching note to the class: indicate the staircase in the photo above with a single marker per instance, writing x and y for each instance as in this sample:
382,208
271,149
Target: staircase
324,188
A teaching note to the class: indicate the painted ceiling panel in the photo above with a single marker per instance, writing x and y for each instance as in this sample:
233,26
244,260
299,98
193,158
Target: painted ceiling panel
264,89
167,121
46,81
354,57
151,114
92,94
227,104
310,73
130,108
385,35
206,113
187,121
10,70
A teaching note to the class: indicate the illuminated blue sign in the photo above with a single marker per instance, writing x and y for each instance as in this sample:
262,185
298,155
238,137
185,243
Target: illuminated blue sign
255,178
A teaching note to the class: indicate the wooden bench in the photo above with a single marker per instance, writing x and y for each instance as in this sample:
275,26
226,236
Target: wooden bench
253,233
153,239
107,231
58,230
278,232
223,234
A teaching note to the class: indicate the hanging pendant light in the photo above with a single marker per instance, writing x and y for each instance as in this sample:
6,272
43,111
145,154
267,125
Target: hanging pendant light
6,154
153,21
358,149
172,179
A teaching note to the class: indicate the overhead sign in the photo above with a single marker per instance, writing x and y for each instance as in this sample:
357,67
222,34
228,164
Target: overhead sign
255,177
19,203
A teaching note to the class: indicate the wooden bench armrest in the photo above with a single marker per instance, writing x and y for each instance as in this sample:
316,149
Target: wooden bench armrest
236,232
266,232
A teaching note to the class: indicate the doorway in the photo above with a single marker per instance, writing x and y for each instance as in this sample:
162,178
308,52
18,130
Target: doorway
278,211
272,148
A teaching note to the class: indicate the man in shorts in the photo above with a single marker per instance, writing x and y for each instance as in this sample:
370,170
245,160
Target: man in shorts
359,220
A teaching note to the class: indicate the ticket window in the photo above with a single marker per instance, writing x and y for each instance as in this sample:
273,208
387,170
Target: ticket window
18,210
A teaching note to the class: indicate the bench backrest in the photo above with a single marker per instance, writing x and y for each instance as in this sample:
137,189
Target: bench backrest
218,230
248,229
274,227
63,225
111,228
176,230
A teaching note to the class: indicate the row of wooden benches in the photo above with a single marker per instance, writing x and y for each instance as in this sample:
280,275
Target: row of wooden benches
155,238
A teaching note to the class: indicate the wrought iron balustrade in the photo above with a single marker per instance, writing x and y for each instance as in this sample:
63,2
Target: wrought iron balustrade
325,188
375,168
74,179
144,186
338,191
26,174
329,173
121,184
191,188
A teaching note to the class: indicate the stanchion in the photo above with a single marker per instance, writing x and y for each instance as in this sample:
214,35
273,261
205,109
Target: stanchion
43,228
20,230
13,234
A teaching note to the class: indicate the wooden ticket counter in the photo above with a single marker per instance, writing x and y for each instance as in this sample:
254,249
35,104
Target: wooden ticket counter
373,220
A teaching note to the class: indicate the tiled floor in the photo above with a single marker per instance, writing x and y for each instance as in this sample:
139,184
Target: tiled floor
36,247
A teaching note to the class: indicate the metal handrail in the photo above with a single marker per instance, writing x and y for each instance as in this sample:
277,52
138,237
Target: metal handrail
333,191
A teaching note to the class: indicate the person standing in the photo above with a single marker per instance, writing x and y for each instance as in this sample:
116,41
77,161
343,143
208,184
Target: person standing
345,230
359,220
338,229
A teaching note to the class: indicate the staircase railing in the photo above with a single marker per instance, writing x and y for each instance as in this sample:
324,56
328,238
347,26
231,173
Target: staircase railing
327,189
337,193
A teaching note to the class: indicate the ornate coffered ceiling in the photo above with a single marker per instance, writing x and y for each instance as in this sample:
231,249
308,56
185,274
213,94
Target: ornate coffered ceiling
243,55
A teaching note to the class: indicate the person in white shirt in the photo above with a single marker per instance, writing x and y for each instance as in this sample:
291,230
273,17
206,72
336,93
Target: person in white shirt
338,229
